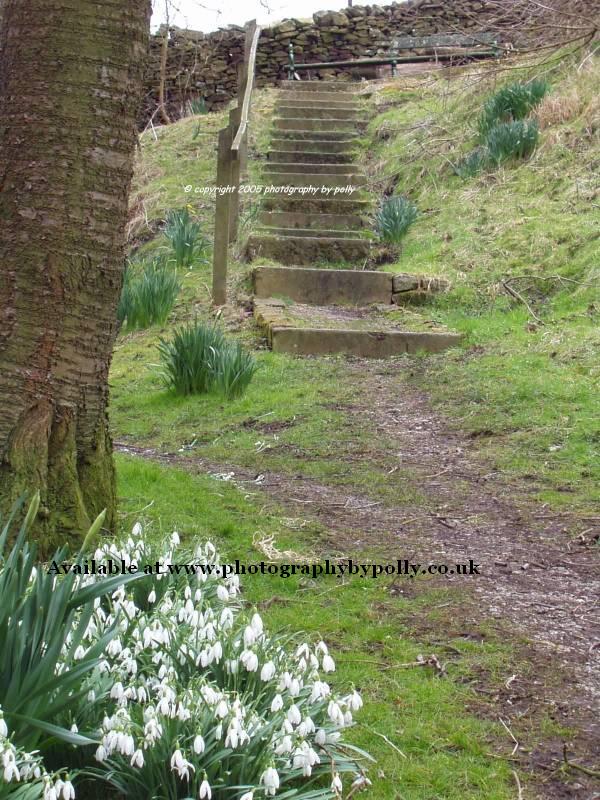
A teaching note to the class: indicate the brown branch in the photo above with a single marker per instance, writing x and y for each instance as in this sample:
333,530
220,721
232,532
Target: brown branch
593,773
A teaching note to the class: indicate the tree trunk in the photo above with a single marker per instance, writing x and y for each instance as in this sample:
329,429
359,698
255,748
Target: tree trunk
70,84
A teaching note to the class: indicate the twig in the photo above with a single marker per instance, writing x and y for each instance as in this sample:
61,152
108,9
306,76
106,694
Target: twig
386,740
518,296
510,733
593,773
519,787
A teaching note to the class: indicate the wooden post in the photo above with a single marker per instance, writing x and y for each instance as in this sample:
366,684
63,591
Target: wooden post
234,197
222,203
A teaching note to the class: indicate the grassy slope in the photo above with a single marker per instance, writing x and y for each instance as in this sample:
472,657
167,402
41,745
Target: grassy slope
515,221
530,390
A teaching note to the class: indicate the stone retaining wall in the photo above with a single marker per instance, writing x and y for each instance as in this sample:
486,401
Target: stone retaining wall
205,65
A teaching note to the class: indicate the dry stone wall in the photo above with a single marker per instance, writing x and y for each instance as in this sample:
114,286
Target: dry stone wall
205,65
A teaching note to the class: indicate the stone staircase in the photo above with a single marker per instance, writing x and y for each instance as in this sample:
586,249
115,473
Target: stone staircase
307,296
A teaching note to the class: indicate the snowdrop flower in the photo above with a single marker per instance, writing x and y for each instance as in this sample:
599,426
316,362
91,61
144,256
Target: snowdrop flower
277,703
74,728
320,690
137,530
257,624
354,701
268,671
175,540
247,796
328,664
360,782
205,791
270,780
101,754
294,715
294,687
11,771
336,784
320,737
50,792
137,759
249,636
249,660
284,746
335,713
222,709
321,648
199,745
68,791
3,727
152,597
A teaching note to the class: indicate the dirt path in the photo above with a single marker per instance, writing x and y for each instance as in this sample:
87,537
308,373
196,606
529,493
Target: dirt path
540,574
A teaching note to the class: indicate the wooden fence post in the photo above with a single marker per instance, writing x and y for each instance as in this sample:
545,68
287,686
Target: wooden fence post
222,205
234,197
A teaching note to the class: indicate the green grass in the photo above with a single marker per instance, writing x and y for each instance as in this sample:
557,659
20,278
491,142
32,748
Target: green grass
530,385
446,747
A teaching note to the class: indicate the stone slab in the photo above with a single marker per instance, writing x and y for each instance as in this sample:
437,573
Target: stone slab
323,286
306,250
367,344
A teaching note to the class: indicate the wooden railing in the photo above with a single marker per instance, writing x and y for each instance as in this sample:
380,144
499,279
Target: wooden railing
231,162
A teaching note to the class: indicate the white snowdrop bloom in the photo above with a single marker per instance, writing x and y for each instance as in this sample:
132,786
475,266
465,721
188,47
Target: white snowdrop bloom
249,660
320,736
137,759
226,618
294,687
306,727
328,664
321,648
114,647
79,653
313,661
277,703
247,796
91,696
3,727
257,624
222,593
319,691
175,540
333,737
232,738
50,792
187,592
117,691
11,771
360,782
284,746
152,597
74,728
335,713
303,651
221,710
347,718
302,665
217,651
68,791
293,715
137,530
268,671
336,784
199,745
100,754
198,595
232,666
219,731
285,681
270,780
205,791
249,636
354,701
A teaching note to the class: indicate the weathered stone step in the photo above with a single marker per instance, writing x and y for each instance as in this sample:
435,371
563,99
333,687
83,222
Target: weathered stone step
366,343
322,125
338,87
340,204
316,179
349,170
307,250
299,157
296,100
310,111
342,138
323,286
312,144
315,221
321,232
316,97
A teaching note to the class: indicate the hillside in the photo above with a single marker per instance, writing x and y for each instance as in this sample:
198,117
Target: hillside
486,452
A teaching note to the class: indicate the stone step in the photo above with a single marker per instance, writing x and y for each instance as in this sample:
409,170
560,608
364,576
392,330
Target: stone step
317,179
345,139
366,343
349,170
323,286
340,204
360,331
314,221
322,125
312,144
338,87
299,157
307,250
298,100
316,97
320,232
310,111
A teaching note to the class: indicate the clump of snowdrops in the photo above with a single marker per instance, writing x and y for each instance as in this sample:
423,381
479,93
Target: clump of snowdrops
185,695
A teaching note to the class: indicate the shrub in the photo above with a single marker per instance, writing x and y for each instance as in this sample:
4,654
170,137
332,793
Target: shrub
147,297
198,359
511,103
511,140
187,242
394,218
191,696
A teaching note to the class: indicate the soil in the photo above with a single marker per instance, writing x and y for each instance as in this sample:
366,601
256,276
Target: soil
539,584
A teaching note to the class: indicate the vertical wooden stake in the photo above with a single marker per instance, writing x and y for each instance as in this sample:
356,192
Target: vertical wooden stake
222,204
234,197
